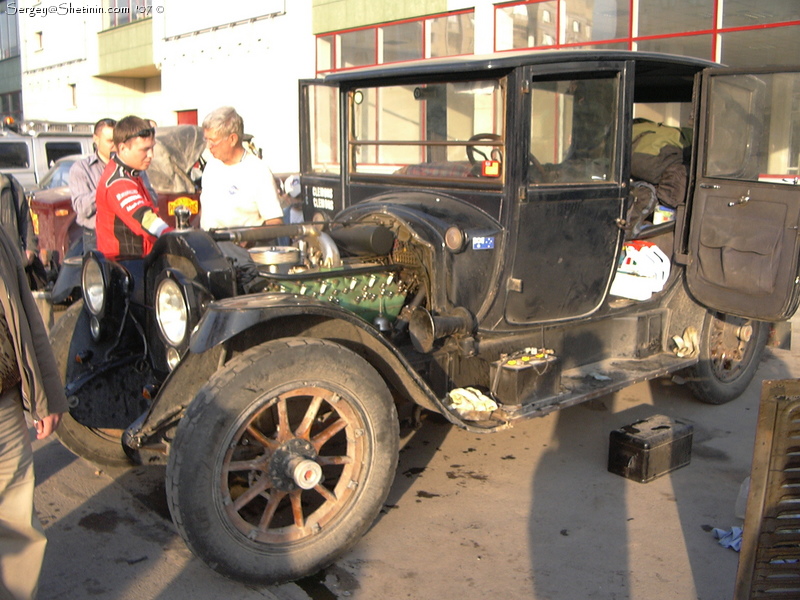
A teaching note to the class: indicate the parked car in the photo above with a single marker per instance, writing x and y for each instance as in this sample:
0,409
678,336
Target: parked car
475,246
33,148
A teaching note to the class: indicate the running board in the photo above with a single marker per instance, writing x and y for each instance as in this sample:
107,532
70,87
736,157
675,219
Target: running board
594,381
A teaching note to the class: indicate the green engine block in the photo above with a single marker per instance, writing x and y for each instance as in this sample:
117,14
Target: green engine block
368,295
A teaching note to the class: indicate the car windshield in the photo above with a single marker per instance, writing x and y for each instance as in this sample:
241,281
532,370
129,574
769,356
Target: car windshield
437,130
58,175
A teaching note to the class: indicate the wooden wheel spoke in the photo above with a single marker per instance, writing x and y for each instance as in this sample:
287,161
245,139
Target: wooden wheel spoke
297,508
257,488
325,461
319,440
325,492
272,506
257,464
308,419
284,431
269,444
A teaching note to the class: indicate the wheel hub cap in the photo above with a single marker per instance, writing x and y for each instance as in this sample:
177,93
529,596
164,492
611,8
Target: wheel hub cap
294,466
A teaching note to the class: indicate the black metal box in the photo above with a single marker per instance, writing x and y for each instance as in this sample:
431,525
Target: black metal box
650,448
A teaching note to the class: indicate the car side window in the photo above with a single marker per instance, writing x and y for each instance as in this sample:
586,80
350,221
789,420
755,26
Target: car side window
56,150
451,130
573,130
14,155
754,127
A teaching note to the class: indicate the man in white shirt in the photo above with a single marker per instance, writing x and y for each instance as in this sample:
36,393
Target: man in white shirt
238,187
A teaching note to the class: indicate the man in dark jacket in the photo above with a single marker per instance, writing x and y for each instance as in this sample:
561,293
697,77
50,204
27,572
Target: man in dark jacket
15,216
29,378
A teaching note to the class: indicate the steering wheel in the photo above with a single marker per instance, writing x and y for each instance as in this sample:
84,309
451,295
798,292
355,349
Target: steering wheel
536,172
473,150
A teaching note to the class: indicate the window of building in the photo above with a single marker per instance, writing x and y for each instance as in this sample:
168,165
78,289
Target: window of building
525,25
451,35
759,47
38,41
401,42
745,13
429,37
660,17
607,20
9,33
750,34
122,12
698,46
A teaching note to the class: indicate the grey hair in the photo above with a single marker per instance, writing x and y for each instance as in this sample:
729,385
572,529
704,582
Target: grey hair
225,120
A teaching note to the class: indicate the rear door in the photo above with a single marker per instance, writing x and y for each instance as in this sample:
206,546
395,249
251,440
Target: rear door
743,243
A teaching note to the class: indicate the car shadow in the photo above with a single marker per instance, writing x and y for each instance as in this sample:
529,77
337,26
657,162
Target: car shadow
622,538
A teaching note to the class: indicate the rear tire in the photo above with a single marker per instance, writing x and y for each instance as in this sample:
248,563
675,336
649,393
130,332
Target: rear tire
731,349
284,415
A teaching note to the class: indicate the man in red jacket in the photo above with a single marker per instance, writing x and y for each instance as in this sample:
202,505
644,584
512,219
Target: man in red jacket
127,223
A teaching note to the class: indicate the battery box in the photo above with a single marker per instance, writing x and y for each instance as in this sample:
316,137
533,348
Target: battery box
529,375
650,448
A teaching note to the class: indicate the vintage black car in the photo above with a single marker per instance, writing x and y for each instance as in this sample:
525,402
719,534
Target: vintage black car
489,239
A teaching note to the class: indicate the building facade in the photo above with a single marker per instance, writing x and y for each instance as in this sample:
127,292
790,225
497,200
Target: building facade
733,32
169,61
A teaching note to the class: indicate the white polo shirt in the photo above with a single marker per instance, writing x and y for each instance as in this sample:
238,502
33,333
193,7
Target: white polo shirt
239,195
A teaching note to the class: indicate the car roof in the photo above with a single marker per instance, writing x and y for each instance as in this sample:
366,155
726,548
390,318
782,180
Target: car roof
653,70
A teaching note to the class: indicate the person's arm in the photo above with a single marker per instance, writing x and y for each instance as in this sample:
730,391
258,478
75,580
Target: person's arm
82,187
136,210
269,206
49,401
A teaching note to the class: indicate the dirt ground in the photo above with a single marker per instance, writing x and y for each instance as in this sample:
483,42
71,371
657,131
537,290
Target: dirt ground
528,513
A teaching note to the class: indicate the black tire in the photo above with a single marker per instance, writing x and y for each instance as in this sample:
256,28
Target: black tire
99,445
731,349
253,522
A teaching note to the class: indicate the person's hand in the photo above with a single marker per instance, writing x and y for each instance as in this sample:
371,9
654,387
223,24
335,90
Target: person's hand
30,254
47,425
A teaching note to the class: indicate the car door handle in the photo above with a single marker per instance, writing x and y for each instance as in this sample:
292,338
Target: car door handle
743,200
709,186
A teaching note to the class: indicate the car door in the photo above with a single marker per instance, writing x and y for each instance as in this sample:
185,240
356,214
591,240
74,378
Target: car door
743,239
320,153
567,233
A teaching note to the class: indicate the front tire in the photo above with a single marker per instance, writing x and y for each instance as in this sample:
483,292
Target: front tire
731,349
283,460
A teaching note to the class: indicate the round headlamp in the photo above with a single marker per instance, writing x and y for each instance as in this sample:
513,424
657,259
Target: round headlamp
93,284
172,312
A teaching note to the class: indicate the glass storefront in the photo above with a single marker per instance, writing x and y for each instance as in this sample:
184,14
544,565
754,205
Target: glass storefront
734,32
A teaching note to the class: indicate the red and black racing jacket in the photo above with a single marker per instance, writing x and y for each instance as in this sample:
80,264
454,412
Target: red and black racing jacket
127,223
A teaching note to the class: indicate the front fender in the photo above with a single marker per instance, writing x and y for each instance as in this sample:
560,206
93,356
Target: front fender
284,315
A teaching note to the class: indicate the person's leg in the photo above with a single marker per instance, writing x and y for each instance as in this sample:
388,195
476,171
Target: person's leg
89,240
22,540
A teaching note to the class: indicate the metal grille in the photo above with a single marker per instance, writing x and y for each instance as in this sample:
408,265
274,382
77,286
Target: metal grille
769,564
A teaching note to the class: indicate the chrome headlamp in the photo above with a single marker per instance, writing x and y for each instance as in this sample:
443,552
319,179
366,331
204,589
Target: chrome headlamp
106,287
172,311
179,302
93,284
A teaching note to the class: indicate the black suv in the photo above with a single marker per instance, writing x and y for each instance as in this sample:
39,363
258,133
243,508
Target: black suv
491,239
